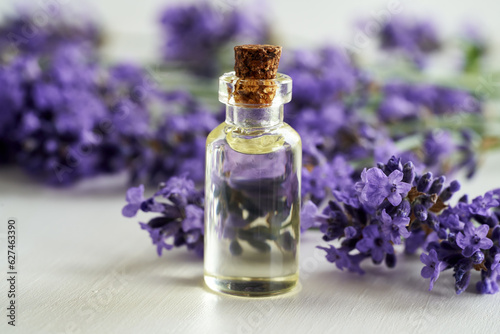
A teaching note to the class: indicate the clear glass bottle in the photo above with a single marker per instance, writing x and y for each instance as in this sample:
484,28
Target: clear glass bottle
252,195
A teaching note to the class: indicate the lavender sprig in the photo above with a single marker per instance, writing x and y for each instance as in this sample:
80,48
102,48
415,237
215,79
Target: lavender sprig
395,206
180,219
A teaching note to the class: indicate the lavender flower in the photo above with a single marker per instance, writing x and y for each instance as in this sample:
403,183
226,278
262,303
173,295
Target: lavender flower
195,34
395,227
432,267
157,237
473,239
375,243
413,39
181,219
134,198
178,144
20,33
307,216
337,256
72,118
481,205
422,219
375,187
405,101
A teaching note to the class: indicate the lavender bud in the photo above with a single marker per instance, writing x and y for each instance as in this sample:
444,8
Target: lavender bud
462,283
492,221
393,164
437,185
495,235
454,186
424,182
452,237
432,221
390,260
478,257
408,172
350,232
450,190
427,200
442,234
420,212
403,209
446,194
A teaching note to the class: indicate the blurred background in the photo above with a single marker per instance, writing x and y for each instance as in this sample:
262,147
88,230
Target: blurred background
133,26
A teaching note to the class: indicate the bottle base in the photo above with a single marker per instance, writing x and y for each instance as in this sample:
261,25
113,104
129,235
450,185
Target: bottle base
251,287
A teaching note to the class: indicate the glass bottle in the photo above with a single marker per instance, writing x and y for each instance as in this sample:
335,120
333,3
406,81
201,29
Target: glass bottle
252,195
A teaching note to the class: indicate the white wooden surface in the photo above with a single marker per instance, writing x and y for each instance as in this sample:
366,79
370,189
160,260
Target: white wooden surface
85,269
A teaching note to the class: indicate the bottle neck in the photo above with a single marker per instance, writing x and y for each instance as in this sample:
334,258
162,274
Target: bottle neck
254,117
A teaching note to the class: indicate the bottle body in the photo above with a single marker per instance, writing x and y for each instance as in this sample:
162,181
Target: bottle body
252,205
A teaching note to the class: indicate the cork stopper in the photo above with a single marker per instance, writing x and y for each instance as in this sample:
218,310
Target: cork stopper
256,61
256,66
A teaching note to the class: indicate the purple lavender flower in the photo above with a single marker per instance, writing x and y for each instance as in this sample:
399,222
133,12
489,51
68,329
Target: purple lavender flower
462,274
181,220
394,108
195,34
395,227
450,220
323,80
181,189
332,221
343,260
73,120
375,243
194,218
488,285
415,241
413,39
438,145
307,216
178,145
432,267
316,182
327,177
481,205
408,101
375,187
473,239
20,32
157,237
337,256
134,198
